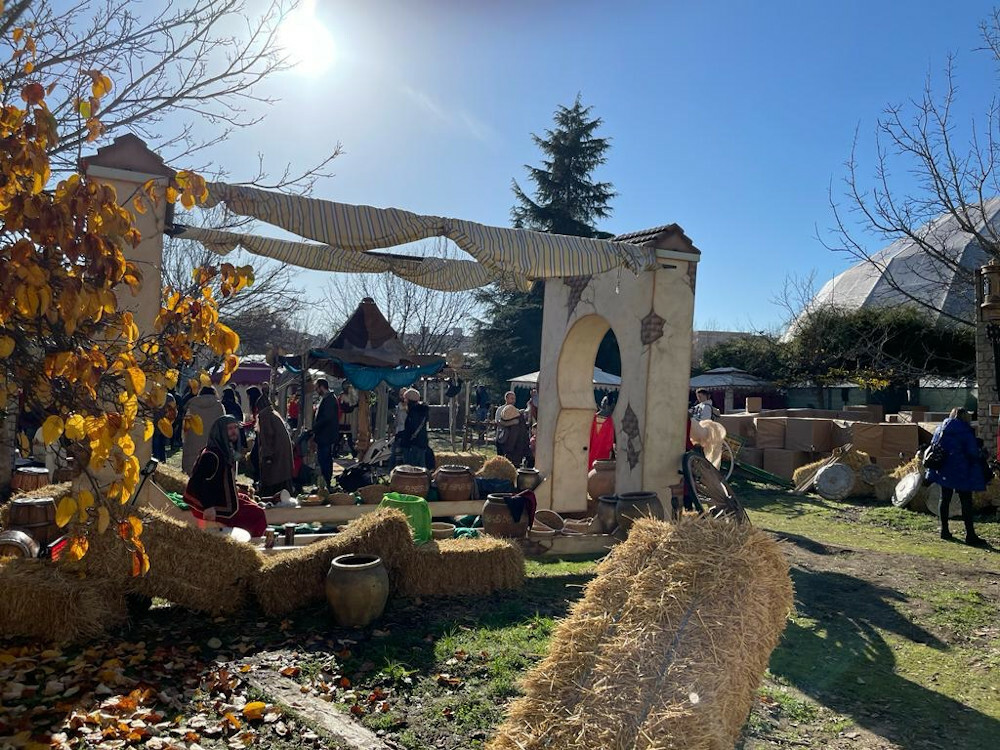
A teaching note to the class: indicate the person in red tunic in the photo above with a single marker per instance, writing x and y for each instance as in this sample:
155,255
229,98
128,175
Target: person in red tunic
602,434
211,492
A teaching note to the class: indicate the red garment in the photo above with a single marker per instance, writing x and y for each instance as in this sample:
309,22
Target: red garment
248,516
602,440
293,409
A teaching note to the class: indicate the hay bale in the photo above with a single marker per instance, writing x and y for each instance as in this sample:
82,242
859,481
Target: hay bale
883,488
460,567
170,479
44,602
854,459
56,491
666,648
295,579
499,467
470,459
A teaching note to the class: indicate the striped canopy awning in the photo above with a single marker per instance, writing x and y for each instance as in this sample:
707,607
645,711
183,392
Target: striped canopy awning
340,237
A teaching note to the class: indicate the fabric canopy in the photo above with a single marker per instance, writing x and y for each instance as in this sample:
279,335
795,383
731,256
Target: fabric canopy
513,257
602,380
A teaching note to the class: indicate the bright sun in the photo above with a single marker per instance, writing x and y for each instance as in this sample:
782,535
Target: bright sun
306,41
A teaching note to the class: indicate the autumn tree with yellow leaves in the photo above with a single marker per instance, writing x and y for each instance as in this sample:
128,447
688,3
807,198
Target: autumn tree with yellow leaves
68,348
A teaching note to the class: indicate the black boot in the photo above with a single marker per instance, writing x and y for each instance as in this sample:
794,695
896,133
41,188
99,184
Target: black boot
970,532
943,512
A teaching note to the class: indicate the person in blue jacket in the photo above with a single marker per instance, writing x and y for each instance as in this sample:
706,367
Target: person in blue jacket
961,472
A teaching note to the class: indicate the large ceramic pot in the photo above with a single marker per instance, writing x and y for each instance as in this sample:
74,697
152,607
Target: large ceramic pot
528,479
497,520
410,480
601,479
357,588
606,507
633,505
455,483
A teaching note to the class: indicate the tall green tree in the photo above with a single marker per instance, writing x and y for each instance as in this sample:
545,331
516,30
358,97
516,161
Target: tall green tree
566,199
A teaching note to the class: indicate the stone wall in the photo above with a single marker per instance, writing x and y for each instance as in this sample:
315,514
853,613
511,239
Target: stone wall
986,378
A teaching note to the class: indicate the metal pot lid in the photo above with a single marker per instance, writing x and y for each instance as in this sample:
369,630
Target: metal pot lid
835,482
907,489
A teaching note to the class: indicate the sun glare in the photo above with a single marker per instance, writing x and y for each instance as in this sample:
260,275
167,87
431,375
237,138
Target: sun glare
306,41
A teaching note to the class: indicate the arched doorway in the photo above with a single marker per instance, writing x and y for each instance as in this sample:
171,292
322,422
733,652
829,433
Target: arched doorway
575,388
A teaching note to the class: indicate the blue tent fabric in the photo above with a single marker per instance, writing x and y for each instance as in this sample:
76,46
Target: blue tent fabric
367,377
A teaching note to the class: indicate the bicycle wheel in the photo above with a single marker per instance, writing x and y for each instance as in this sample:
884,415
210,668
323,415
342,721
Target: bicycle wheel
711,494
728,461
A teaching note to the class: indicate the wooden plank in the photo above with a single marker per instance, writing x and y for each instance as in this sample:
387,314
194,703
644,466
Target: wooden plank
562,545
320,714
344,513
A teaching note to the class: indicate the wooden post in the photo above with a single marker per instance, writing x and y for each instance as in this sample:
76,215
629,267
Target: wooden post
364,423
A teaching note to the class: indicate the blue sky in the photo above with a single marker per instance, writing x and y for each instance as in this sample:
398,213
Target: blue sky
729,118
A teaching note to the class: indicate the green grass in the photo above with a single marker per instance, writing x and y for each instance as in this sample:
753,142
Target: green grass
961,610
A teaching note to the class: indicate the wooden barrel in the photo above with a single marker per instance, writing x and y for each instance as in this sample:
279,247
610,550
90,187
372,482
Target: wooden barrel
455,483
29,478
37,517
14,543
65,473
410,480
498,521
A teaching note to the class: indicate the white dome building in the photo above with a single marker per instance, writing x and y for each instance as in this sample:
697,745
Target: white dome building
904,271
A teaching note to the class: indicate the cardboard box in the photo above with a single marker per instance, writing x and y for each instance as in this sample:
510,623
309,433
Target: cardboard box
841,433
754,404
913,414
741,425
856,416
812,435
900,439
784,463
751,457
889,462
877,412
867,437
770,432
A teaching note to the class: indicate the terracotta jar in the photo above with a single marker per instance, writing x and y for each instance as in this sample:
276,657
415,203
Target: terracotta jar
410,480
455,483
633,505
357,588
606,507
528,479
497,520
601,479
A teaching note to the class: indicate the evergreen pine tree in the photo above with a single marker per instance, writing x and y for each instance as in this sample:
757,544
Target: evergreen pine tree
566,200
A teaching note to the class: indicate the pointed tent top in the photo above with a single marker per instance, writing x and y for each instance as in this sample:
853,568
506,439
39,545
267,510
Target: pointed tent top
367,331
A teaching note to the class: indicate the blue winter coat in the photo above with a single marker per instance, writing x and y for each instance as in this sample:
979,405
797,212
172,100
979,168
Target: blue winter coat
961,470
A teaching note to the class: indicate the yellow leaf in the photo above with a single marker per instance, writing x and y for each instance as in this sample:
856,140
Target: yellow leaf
206,381
136,380
139,203
75,427
65,511
84,109
147,431
6,346
136,526
103,519
170,378
195,424
193,385
84,501
52,428
77,548
254,711
24,443
165,427
126,445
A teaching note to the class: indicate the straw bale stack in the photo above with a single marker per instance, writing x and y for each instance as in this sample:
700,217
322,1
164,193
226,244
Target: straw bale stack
499,467
458,567
44,602
295,579
56,491
170,479
473,460
667,647
980,500
855,459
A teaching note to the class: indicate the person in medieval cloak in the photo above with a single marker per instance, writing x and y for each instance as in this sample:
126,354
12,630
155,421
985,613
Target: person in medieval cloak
208,408
414,439
275,452
211,491
513,434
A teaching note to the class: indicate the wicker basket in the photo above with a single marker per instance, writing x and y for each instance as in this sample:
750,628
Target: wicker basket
373,493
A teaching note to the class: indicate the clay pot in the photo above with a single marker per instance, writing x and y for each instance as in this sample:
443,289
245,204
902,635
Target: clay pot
601,479
606,505
455,483
357,588
633,505
442,530
410,480
528,479
497,520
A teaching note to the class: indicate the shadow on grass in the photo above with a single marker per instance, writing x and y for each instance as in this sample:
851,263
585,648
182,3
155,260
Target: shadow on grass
844,663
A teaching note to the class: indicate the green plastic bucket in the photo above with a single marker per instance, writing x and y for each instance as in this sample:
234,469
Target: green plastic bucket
417,512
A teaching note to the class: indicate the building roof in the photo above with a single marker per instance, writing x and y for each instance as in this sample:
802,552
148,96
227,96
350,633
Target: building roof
659,235
602,380
729,377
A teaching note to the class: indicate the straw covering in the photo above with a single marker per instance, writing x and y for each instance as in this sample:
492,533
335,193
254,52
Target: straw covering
666,648
291,580
499,467
451,567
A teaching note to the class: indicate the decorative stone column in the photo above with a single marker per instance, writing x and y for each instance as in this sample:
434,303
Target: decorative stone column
987,344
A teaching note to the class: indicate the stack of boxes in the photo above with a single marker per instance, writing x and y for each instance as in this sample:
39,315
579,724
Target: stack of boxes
781,441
